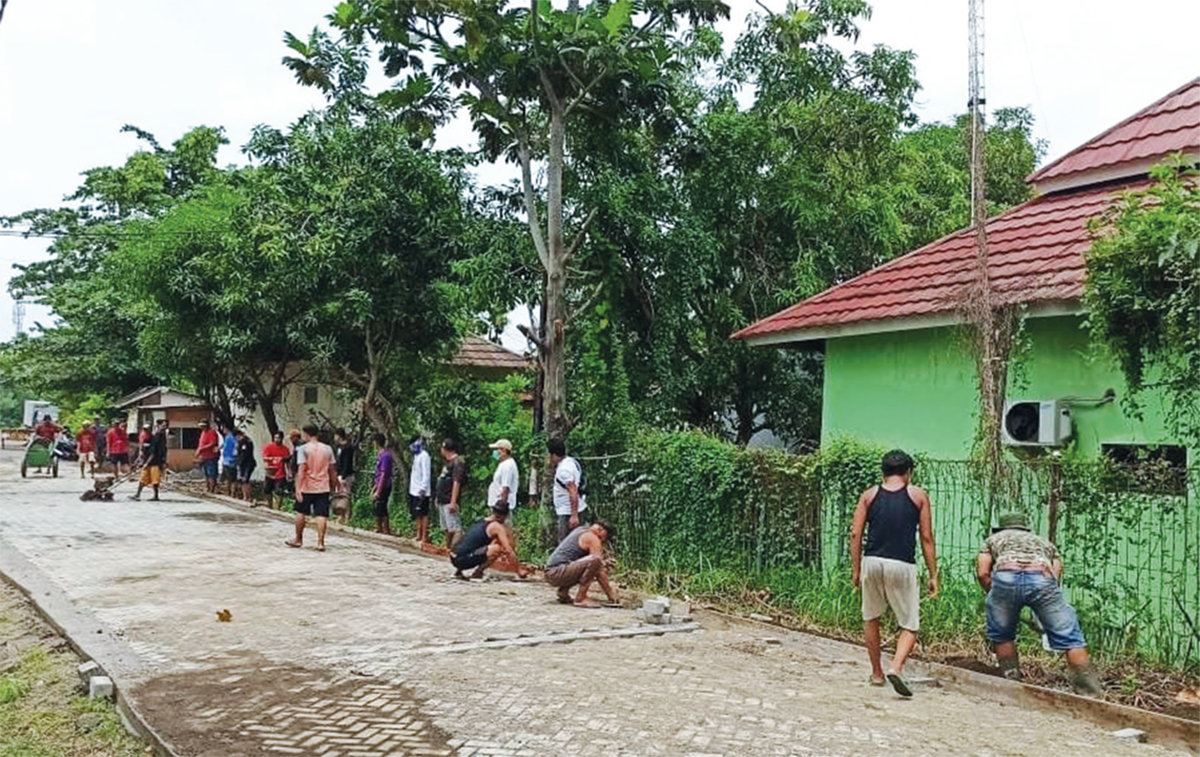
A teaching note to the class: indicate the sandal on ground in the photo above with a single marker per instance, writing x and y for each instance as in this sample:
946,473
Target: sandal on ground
320,547
293,544
588,604
564,597
877,681
899,684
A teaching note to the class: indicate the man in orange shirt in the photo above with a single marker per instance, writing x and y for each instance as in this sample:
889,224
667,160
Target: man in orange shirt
316,477
86,441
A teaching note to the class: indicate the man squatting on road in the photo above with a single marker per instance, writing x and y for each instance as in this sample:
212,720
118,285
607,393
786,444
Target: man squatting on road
1016,568
579,560
892,514
483,543
316,477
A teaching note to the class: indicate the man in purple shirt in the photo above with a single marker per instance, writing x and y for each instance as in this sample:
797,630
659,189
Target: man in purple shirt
381,492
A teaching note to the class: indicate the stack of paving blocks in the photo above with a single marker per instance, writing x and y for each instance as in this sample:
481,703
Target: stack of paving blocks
663,610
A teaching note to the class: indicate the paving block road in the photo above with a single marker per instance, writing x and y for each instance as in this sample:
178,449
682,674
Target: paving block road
366,651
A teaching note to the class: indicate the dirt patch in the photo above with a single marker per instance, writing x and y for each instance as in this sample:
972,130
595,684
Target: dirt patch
42,709
227,518
247,705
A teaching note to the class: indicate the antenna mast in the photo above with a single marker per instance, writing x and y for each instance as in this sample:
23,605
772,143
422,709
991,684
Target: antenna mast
976,103
19,316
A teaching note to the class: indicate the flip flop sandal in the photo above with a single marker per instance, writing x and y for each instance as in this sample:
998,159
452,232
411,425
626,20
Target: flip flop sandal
320,548
877,681
293,544
899,684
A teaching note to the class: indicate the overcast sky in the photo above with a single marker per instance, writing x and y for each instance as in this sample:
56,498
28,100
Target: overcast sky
72,72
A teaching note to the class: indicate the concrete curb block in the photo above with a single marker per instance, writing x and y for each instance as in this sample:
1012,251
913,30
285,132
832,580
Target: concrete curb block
133,719
1162,729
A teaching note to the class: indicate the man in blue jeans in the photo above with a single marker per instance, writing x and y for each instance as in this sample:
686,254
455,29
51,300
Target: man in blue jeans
1018,568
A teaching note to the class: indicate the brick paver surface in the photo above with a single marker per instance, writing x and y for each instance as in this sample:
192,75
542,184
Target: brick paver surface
365,651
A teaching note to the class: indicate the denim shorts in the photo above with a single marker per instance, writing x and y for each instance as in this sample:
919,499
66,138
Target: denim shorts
210,467
1013,590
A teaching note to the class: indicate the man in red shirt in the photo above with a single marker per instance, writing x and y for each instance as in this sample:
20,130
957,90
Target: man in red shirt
118,447
207,453
316,477
48,429
275,457
85,442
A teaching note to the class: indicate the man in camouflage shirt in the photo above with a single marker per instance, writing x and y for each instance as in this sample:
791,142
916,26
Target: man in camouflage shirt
1018,568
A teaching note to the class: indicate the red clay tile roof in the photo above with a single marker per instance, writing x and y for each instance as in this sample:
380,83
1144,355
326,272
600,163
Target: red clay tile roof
1168,126
1034,255
1035,249
477,352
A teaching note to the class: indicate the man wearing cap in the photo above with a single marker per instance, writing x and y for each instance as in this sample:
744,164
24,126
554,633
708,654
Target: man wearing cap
1018,568
484,543
892,515
507,478
86,441
208,452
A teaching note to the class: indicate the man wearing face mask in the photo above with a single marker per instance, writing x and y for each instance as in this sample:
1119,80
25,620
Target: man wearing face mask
419,488
506,478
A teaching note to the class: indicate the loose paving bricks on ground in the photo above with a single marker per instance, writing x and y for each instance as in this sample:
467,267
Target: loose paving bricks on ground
364,651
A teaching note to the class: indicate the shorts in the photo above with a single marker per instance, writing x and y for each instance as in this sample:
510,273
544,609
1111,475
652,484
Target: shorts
229,474
243,473
566,575
471,559
316,505
449,521
151,475
891,583
121,458
381,502
209,467
87,457
1012,590
418,507
564,523
273,485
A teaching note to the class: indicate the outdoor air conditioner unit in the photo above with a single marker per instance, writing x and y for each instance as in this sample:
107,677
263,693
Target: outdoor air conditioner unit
1036,423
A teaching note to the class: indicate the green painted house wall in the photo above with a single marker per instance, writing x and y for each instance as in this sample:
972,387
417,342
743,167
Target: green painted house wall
916,389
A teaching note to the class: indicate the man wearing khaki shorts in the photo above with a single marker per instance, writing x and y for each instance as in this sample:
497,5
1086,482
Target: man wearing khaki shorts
892,514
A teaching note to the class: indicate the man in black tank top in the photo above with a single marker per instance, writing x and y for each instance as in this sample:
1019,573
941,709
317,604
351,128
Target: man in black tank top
892,515
483,543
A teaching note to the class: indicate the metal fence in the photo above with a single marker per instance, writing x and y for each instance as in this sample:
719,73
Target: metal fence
1130,539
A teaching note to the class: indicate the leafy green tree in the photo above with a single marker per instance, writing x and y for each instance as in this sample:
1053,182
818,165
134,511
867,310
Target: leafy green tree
526,73
92,347
1143,292
361,231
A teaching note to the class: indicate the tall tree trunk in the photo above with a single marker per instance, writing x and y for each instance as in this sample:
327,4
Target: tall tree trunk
555,300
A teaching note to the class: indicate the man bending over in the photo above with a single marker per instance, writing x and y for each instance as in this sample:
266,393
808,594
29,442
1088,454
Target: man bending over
484,543
578,561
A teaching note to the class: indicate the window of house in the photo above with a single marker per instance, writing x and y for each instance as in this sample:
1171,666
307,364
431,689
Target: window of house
310,395
189,438
1148,468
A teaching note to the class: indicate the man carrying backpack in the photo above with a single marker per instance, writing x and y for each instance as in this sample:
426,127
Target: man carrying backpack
570,489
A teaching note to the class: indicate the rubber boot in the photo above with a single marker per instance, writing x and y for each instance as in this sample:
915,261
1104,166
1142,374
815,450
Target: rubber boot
1010,667
1085,682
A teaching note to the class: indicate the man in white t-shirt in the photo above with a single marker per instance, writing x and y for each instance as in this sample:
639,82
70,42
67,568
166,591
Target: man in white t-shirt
507,478
570,501
420,488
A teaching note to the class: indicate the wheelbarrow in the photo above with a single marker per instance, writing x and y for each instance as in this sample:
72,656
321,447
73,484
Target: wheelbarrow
40,454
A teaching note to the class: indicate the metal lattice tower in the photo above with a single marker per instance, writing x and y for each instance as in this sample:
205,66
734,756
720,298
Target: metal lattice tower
976,104
19,316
